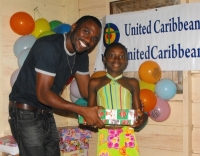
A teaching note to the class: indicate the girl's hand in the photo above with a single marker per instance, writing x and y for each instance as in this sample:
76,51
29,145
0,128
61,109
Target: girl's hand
141,117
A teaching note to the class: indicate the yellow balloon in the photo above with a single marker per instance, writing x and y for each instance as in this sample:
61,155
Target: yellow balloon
46,33
41,25
149,86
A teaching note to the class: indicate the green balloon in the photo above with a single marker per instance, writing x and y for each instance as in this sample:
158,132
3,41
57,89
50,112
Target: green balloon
54,24
81,102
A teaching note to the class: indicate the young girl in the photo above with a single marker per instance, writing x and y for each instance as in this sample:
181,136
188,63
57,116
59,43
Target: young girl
115,91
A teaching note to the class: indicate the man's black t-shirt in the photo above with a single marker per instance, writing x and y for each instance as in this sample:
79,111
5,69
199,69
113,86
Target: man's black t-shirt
49,56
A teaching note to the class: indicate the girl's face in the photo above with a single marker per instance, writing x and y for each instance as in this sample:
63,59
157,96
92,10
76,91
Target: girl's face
116,59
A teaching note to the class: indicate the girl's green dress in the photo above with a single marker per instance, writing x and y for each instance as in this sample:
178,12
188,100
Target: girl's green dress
120,141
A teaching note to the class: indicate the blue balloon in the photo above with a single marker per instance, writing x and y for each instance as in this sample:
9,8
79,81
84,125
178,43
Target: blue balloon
165,89
62,28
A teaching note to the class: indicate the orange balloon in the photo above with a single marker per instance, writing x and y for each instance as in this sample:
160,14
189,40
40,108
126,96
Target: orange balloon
150,72
98,74
148,99
22,23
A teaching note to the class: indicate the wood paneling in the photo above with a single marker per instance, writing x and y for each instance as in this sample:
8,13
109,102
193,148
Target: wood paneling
91,4
179,135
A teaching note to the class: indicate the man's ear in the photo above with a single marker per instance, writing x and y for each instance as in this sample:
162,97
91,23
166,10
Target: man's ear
73,27
104,60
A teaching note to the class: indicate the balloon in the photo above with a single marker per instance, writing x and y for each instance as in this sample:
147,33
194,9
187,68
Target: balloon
54,24
14,76
161,112
46,33
62,28
165,89
22,43
41,25
98,74
73,99
22,23
22,57
148,98
81,102
74,90
150,72
70,80
144,85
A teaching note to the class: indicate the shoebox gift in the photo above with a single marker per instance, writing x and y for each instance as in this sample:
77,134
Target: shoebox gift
115,117
73,133
8,145
74,145
75,153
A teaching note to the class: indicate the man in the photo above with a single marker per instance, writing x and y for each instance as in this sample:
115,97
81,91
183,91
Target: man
50,63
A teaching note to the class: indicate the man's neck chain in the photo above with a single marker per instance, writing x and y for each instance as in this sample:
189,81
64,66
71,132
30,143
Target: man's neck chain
71,67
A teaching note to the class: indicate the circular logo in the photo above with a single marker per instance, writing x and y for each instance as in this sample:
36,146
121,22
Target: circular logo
111,34
155,113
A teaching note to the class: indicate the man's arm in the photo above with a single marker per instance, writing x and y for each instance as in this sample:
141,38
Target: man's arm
46,96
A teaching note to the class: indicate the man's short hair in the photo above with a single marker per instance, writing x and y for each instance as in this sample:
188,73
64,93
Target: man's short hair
88,17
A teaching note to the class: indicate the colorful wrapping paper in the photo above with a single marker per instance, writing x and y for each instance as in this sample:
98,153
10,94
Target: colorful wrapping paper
73,133
8,145
73,145
8,141
74,138
115,117
75,153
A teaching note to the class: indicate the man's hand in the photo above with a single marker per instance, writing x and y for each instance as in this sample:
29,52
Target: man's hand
92,118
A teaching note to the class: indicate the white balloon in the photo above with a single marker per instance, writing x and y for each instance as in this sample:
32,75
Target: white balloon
14,76
22,43
74,89
73,99
22,57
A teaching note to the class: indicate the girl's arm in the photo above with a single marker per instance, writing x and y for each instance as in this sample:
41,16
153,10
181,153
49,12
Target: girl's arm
136,95
137,105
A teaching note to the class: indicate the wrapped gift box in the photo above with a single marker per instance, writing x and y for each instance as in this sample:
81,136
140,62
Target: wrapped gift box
115,116
8,145
73,145
73,133
75,153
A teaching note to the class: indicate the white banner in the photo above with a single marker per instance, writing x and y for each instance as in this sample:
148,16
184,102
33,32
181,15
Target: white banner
169,36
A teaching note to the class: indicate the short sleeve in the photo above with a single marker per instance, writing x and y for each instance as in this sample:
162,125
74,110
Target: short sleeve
47,57
83,67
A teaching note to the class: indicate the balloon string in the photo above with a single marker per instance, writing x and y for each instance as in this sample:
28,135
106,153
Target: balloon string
39,14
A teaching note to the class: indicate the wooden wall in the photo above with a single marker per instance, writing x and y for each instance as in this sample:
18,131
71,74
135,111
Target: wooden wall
177,136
